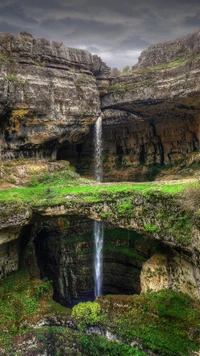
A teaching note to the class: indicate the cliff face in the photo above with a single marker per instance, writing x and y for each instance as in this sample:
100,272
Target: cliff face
48,94
49,101
134,148
164,82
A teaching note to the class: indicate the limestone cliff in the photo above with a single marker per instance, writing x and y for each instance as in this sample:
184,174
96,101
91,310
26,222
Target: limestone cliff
48,94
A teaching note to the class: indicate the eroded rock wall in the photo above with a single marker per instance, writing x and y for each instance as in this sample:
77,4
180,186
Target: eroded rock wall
64,249
170,271
48,94
135,149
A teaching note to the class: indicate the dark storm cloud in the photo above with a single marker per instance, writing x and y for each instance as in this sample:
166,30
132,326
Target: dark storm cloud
192,20
116,30
6,27
134,42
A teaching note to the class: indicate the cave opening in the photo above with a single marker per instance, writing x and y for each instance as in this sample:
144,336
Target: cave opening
65,255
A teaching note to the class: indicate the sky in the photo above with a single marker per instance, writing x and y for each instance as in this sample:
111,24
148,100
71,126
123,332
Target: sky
115,30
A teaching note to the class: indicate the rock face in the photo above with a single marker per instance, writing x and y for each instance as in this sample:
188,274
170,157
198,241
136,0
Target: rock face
64,250
163,91
136,149
162,84
50,101
48,94
164,271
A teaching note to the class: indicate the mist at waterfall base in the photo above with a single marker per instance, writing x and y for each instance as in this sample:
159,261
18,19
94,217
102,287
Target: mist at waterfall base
98,225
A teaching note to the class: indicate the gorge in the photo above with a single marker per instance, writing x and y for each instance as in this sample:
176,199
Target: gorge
57,106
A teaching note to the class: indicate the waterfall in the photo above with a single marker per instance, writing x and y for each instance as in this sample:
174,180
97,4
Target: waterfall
98,169
98,225
98,262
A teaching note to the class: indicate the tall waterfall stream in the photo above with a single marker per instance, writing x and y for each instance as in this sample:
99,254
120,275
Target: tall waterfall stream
98,225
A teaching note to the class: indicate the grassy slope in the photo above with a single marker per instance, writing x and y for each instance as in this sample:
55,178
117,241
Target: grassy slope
58,188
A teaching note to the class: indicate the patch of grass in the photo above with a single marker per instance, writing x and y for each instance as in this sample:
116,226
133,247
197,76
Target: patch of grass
21,298
166,322
97,345
150,228
11,78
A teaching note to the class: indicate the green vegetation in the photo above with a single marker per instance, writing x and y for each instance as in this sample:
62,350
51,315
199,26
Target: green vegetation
97,345
87,314
3,58
126,208
126,69
11,78
168,65
150,228
51,189
47,190
123,87
39,63
21,298
166,322
124,251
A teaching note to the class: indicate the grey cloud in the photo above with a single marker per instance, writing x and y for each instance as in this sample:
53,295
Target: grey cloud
7,27
116,30
192,20
134,42
16,14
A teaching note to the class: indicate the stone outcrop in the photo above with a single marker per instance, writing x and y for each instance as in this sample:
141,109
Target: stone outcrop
48,94
170,271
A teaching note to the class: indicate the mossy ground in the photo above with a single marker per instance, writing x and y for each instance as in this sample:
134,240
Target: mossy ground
23,300
165,322
52,189
66,188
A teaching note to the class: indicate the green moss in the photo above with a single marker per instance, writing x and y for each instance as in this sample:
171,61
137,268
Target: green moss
177,63
126,208
11,78
182,229
123,87
123,251
165,322
151,228
21,298
3,58
97,345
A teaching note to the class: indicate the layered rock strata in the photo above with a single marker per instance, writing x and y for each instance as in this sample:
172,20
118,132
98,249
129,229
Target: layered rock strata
135,149
48,94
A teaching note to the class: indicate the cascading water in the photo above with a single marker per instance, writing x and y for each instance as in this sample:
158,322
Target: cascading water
98,262
98,169
98,225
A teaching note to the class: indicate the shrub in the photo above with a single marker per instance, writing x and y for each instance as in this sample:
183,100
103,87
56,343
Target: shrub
126,69
87,314
11,78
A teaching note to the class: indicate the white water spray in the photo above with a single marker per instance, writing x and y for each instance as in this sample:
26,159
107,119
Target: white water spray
98,225
98,170
98,262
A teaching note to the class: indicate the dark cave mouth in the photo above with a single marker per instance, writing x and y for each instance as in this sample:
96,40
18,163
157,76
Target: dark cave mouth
68,261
